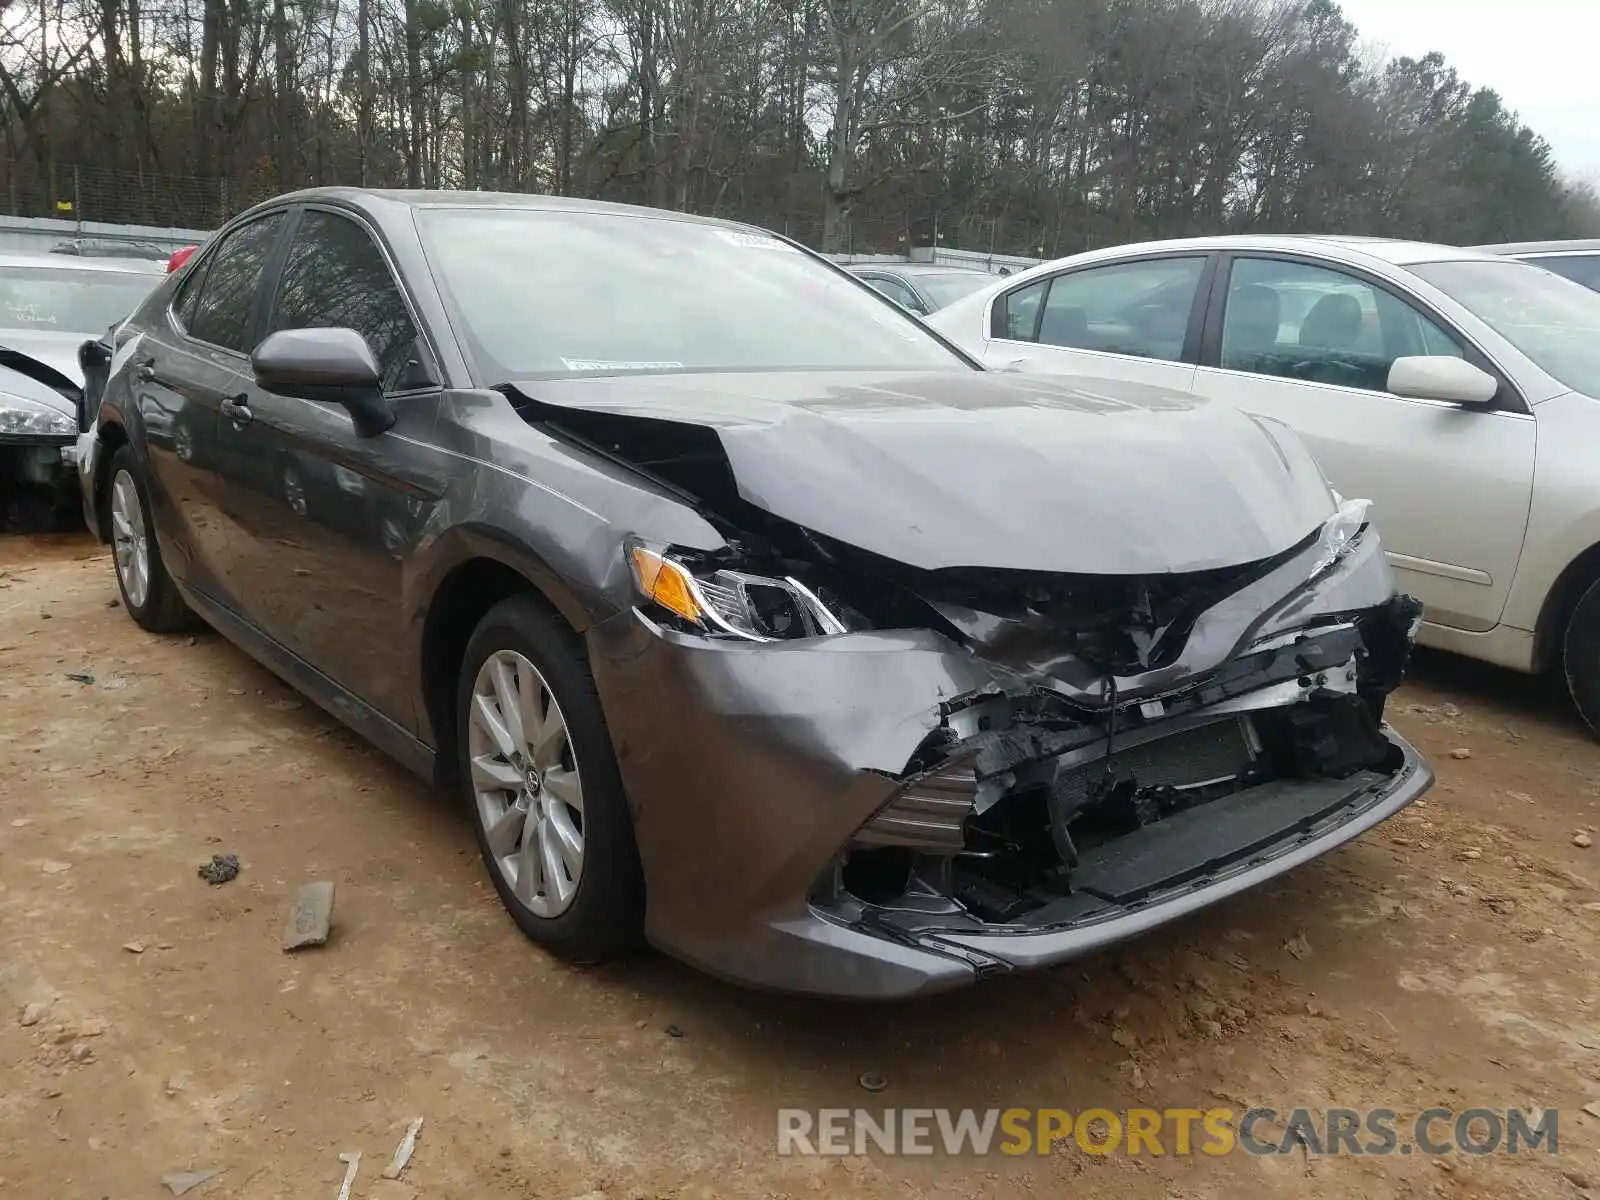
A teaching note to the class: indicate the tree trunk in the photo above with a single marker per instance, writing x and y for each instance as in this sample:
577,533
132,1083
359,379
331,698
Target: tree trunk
285,151
416,142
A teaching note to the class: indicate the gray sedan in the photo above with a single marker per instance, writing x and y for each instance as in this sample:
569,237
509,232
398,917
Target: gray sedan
744,615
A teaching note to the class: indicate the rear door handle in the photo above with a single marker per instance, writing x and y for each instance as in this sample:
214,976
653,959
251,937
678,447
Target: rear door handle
145,372
237,409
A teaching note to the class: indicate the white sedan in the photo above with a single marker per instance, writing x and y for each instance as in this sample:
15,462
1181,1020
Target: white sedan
1458,390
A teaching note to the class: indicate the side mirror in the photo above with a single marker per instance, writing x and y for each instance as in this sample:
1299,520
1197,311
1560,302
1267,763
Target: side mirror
329,366
1440,377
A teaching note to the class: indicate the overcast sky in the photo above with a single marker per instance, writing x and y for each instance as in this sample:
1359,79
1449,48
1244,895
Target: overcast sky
1538,54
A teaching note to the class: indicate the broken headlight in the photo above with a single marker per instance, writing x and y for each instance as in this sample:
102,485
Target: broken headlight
729,603
1339,534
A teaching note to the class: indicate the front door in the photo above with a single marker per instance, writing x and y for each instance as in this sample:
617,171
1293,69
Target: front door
1311,346
324,516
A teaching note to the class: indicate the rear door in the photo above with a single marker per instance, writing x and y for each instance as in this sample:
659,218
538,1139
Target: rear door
1310,343
1135,319
324,515
190,360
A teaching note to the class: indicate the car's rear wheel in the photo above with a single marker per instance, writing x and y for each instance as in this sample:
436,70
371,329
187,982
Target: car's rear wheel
148,592
539,774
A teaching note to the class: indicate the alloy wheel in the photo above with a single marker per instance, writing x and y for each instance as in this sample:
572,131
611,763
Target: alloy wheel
130,543
527,790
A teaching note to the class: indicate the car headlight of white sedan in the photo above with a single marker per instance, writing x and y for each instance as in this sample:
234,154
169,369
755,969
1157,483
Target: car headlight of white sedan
21,417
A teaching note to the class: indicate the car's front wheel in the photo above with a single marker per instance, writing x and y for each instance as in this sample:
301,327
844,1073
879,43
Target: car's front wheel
1580,656
539,774
148,592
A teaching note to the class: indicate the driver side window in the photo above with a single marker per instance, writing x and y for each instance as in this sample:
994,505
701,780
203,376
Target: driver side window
1319,325
336,276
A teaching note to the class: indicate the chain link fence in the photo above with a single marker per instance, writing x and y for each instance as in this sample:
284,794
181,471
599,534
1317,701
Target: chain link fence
74,192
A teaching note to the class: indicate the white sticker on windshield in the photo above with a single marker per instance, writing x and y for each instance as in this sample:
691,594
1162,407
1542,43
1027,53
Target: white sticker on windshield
605,364
754,241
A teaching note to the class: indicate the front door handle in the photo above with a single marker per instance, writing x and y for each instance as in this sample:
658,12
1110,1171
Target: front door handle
237,409
145,372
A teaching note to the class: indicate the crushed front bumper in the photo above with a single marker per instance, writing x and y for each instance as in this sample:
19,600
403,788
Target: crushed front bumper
750,768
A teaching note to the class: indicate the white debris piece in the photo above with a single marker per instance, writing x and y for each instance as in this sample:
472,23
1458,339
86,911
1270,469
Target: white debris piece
180,1182
402,1153
353,1157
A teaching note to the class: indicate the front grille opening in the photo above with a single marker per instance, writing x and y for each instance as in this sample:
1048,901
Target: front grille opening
1155,814
879,875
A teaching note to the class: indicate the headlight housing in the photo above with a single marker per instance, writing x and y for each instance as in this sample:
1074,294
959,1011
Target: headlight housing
722,602
1339,534
21,417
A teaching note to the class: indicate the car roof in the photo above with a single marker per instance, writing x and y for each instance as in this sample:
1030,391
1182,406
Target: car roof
1515,248
75,262
922,268
372,199
1393,251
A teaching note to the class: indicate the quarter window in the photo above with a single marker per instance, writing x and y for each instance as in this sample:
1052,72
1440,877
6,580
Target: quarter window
220,313
1316,324
1138,308
335,276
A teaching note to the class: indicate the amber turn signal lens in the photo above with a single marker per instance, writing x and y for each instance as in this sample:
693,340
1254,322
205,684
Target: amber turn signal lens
664,582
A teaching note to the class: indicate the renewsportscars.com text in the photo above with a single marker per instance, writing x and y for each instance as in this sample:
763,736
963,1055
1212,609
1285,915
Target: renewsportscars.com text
840,1132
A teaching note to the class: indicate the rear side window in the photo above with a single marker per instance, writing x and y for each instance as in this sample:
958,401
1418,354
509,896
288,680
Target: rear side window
336,276
1138,308
220,312
1017,313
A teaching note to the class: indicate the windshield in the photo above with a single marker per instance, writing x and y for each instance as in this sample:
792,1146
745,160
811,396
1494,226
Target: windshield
1552,320
544,293
64,300
949,286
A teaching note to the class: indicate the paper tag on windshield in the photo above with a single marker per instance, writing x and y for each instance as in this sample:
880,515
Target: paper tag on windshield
604,364
754,241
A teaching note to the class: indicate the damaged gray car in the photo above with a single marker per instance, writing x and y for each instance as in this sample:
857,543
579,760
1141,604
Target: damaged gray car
746,616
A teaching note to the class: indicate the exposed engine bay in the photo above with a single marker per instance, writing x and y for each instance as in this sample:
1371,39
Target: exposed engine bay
1154,732
1029,810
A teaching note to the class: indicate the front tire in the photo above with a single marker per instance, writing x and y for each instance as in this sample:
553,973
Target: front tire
1580,656
147,589
540,779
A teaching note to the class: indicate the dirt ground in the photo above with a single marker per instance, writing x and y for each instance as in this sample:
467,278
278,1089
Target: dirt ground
1447,958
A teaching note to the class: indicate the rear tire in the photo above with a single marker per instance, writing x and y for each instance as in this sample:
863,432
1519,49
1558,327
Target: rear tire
540,781
147,589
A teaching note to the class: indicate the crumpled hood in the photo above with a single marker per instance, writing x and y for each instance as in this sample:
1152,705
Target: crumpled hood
980,469
56,352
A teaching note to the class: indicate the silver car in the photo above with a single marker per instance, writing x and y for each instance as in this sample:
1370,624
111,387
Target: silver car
49,303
